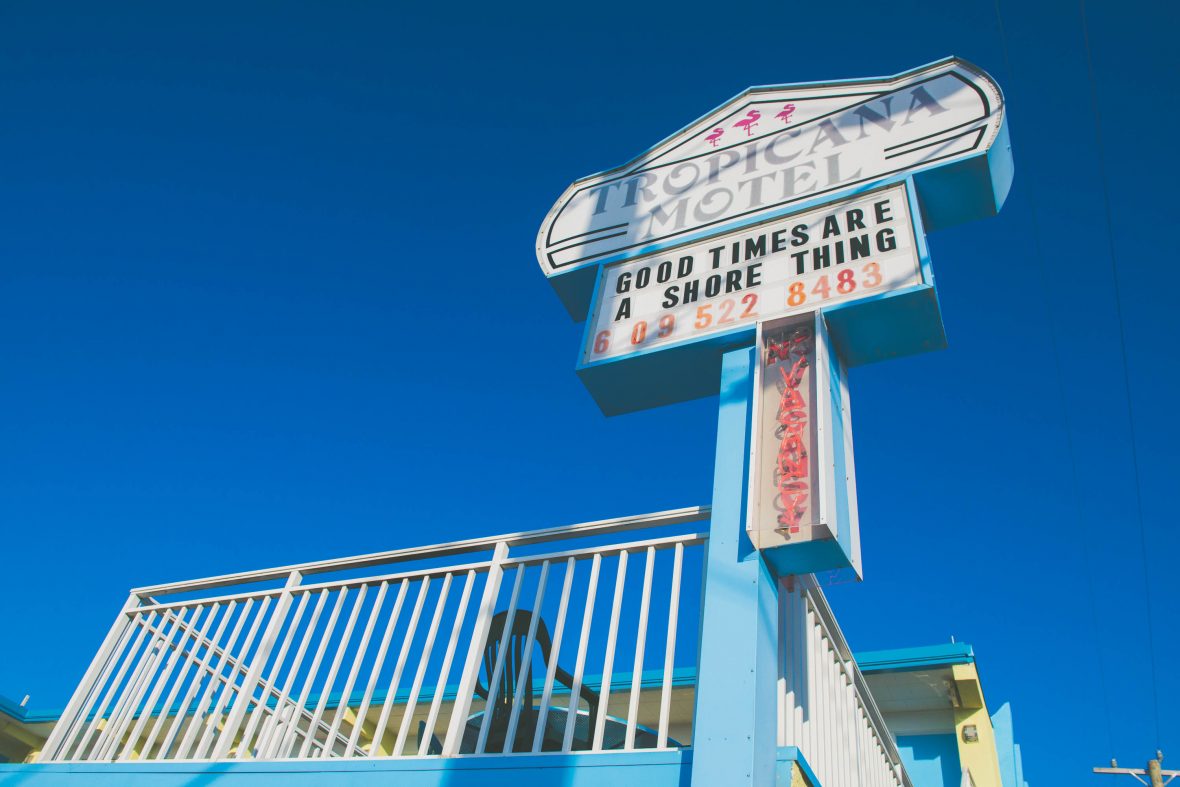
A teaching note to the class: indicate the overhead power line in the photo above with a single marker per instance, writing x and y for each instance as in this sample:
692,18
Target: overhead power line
1059,376
1114,272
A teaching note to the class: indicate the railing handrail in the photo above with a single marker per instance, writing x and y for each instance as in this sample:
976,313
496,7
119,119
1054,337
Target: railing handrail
523,538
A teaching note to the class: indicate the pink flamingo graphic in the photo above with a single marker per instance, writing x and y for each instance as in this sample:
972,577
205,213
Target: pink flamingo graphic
785,115
749,122
716,135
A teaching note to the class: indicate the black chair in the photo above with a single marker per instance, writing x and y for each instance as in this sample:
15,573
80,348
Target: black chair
501,710
435,746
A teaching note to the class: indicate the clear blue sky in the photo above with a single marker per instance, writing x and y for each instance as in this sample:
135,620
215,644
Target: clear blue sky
268,294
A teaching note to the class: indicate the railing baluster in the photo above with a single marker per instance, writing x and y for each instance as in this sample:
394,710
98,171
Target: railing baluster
190,657
356,666
501,654
571,714
292,731
526,660
215,688
108,739
230,691
375,673
609,662
195,686
202,717
326,689
423,662
799,653
395,679
479,637
117,724
640,642
554,651
250,682
161,681
274,732
445,670
786,733
670,647
222,654
122,714
260,708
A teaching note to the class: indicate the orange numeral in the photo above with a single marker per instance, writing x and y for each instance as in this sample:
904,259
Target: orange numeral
873,271
821,287
704,318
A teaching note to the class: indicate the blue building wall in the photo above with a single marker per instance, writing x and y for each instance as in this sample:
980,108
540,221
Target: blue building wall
931,760
604,769
1008,751
657,769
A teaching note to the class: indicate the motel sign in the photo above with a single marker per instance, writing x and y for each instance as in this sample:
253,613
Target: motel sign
758,254
790,220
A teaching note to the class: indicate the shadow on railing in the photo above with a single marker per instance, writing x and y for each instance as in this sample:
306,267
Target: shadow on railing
518,650
827,709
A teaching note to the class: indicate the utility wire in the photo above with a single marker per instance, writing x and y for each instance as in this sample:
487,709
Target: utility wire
1114,272
1087,544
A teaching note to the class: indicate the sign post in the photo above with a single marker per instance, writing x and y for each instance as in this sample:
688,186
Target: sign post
735,732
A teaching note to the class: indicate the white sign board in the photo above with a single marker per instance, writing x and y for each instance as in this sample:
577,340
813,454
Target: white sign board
845,251
767,149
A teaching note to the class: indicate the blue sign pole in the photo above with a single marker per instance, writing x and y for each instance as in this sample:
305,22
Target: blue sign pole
735,729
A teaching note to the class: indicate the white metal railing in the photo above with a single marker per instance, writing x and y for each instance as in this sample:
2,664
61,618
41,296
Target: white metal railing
825,706
425,656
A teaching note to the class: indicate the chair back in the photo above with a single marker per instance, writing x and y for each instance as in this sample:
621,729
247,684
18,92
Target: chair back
514,642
